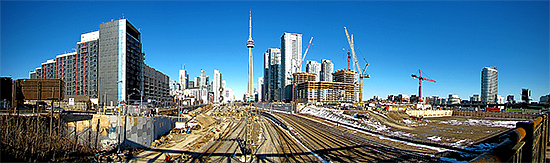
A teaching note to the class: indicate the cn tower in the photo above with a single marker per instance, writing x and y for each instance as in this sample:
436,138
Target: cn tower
250,45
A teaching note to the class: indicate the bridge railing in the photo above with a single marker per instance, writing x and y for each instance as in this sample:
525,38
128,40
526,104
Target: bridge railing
526,143
275,106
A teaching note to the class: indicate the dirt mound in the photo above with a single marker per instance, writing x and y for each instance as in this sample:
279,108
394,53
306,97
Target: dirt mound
205,120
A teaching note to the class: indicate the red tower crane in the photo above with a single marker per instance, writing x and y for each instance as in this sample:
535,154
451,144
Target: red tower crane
420,79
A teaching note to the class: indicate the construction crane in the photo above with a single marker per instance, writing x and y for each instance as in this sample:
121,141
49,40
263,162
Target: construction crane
362,72
420,79
304,57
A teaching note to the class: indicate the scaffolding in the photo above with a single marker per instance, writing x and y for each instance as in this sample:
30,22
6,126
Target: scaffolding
301,77
332,93
345,76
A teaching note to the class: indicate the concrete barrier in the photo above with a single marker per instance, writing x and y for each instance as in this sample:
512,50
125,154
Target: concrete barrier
430,113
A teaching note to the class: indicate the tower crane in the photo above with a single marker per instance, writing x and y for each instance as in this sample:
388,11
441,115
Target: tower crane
420,79
304,57
362,72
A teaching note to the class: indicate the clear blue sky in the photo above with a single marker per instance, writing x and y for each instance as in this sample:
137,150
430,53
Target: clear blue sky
450,41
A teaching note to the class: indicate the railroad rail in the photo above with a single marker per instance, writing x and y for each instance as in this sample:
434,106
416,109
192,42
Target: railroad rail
210,153
286,148
336,145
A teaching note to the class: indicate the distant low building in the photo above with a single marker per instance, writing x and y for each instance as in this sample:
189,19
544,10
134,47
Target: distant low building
453,99
544,99
475,99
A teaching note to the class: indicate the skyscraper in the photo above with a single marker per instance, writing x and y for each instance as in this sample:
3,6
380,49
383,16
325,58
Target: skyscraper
183,78
314,67
121,61
326,70
216,85
489,84
291,54
260,89
272,75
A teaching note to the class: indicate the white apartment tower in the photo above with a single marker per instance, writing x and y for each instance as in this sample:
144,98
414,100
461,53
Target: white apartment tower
260,89
291,55
314,67
327,68
489,84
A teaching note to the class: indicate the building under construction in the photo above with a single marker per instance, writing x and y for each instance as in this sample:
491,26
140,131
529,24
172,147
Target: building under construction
342,90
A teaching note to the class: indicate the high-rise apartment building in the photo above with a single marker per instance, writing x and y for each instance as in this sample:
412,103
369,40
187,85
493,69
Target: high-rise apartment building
216,85
272,75
489,84
155,86
77,69
260,89
108,65
314,67
291,55
197,82
182,77
87,52
327,68
121,61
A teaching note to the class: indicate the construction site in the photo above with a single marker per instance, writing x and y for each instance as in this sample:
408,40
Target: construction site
270,132
326,121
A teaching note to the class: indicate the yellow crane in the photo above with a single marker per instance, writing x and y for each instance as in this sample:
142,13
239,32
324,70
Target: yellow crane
362,72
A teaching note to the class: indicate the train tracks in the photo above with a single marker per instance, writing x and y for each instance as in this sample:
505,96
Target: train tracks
227,147
336,145
283,147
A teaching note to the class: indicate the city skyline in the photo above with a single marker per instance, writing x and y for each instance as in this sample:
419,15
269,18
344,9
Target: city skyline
449,41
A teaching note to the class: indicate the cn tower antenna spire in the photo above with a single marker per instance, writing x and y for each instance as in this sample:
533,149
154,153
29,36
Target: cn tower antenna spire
250,26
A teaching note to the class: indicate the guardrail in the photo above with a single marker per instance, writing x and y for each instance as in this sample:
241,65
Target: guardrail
275,106
526,143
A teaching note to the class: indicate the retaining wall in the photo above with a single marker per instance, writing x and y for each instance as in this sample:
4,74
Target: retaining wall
105,132
493,114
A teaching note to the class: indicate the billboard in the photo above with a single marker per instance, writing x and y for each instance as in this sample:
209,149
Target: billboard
39,89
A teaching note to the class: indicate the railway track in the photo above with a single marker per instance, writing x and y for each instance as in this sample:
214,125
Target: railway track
336,145
286,149
215,153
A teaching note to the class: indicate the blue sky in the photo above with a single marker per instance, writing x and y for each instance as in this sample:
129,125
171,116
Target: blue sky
450,41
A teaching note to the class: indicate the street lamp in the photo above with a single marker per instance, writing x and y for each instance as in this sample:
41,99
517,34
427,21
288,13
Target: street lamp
140,99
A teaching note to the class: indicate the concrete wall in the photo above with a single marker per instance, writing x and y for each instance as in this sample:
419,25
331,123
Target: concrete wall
104,132
430,113
493,114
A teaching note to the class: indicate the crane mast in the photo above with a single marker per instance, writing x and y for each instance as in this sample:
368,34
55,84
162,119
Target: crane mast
420,80
356,62
304,57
